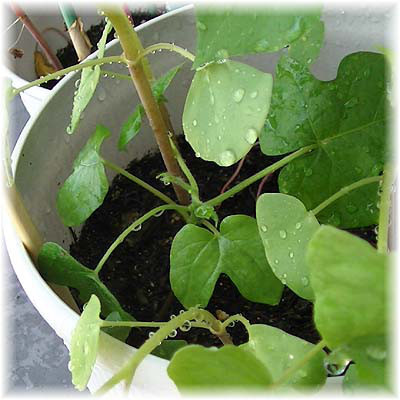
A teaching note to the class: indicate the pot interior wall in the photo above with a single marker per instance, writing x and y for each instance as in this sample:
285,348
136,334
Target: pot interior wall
44,157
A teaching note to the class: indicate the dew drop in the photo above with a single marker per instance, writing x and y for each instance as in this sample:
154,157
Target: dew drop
251,136
238,95
254,94
173,333
276,261
194,122
151,334
264,228
227,158
308,172
212,99
172,316
77,83
219,137
158,214
197,154
201,26
231,324
305,281
291,356
137,228
291,254
101,94
376,353
185,326
298,225
282,234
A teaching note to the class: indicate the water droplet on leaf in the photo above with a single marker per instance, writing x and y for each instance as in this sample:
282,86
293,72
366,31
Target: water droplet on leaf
227,158
251,136
194,122
264,228
238,95
298,225
282,234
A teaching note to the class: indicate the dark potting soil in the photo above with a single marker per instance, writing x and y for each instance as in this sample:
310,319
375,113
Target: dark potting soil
137,273
68,56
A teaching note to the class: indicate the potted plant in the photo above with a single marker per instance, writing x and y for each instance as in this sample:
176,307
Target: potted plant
329,177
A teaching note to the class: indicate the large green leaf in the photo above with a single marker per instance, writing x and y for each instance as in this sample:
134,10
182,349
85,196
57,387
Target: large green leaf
225,110
132,125
349,279
285,227
57,266
198,257
85,189
346,119
88,81
229,31
84,344
230,367
278,351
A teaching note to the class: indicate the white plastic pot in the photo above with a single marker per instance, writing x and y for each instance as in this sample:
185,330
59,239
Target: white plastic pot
44,154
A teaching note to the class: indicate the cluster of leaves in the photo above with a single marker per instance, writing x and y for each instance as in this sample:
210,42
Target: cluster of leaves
229,106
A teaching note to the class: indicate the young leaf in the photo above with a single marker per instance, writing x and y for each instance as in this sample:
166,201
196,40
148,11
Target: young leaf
278,351
198,257
346,118
84,344
349,278
196,367
132,125
119,332
168,348
90,77
225,110
57,266
228,32
84,190
285,227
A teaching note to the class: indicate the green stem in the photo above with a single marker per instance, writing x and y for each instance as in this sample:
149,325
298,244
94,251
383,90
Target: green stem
139,324
138,181
115,75
259,175
290,371
238,318
128,371
343,191
384,209
211,227
133,226
164,46
66,71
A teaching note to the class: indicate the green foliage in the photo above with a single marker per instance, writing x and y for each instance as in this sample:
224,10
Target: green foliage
346,118
132,125
225,110
198,257
279,351
57,266
196,367
85,189
285,227
90,77
227,32
349,278
84,344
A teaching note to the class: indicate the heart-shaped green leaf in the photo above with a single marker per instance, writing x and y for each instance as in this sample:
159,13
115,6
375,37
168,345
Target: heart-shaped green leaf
346,119
132,125
349,279
85,189
285,227
228,31
57,266
198,257
88,81
279,351
84,344
196,367
225,110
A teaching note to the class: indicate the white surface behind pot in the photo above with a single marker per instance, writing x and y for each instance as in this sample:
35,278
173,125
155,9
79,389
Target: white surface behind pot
44,154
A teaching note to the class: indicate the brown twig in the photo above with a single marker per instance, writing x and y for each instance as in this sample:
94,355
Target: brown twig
261,185
233,177
55,62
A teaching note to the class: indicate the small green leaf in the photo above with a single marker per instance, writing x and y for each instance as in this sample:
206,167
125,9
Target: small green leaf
131,127
348,277
85,189
227,32
285,227
198,257
84,344
161,84
278,351
168,348
196,367
346,119
225,110
119,332
88,81
57,266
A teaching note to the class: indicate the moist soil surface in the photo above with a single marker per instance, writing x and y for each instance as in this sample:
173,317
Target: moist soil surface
137,273
68,56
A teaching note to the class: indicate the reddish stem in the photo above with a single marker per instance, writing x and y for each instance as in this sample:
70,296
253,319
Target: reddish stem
37,36
261,185
233,177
